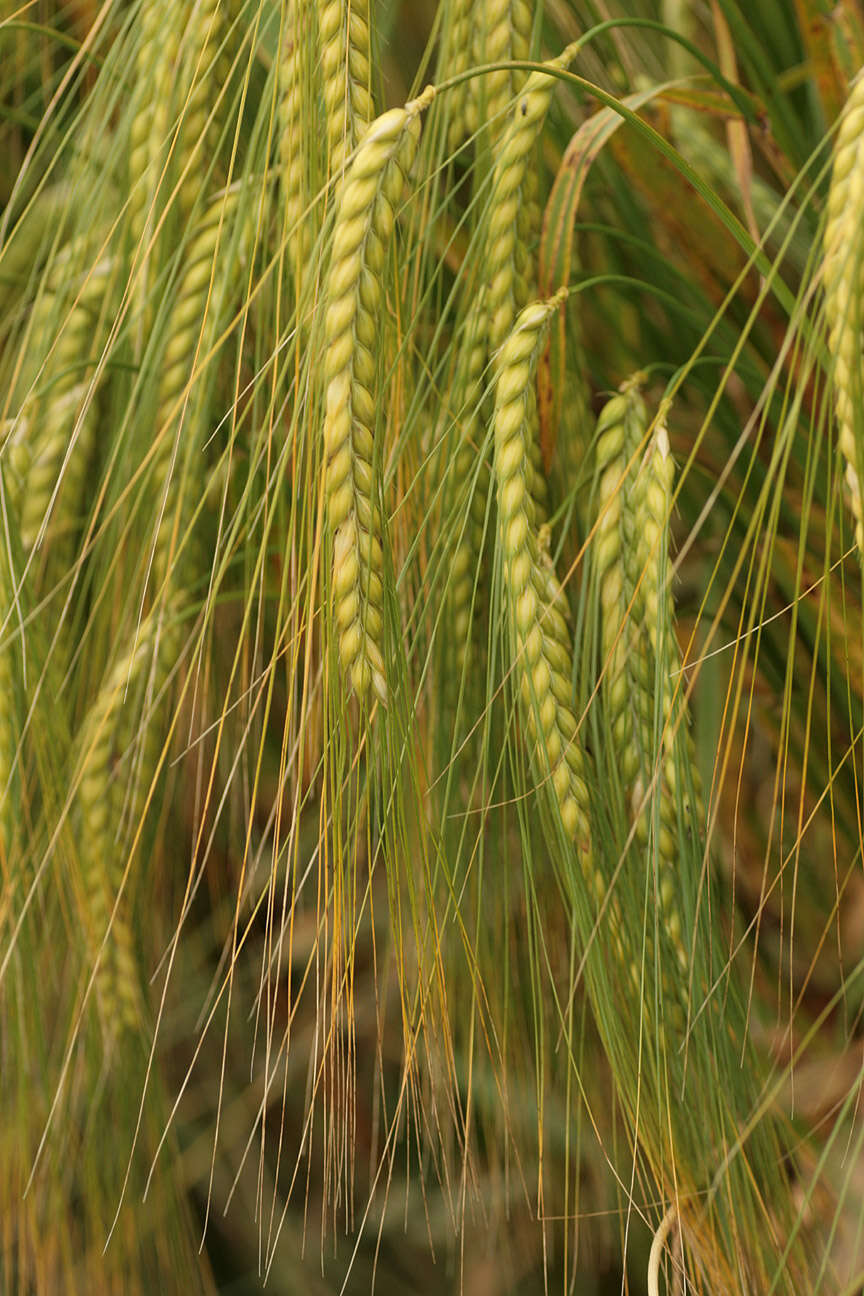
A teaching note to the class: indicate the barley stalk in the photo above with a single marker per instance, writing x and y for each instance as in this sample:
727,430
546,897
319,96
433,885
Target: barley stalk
843,278
9,649
365,215
345,59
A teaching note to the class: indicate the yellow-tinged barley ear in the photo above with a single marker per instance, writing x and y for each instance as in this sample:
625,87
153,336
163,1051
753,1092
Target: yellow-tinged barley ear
843,281
343,27
370,190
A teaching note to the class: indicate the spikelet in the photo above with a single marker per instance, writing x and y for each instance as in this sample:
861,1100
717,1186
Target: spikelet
843,278
343,27
365,215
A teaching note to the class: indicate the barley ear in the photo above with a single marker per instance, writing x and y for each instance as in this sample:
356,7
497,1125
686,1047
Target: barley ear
536,611
651,575
365,208
343,27
843,279
508,289
61,413
112,941
295,95
467,481
155,69
502,30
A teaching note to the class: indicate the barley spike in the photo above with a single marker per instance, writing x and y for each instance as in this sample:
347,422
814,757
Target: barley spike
843,279
365,215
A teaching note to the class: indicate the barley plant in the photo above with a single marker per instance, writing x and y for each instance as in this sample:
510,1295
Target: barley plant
431,646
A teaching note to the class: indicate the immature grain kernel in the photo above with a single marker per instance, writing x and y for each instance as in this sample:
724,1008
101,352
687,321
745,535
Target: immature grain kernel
365,205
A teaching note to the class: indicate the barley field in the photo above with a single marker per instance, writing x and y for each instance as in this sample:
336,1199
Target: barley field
431,647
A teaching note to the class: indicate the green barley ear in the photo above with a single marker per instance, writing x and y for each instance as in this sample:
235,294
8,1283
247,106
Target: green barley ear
502,32
343,27
626,692
365,214
198,47
61,412
508,288
155,69
112,941
194,317
671,747
463,121
843,278
465,486
296,106
537,612
540,632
